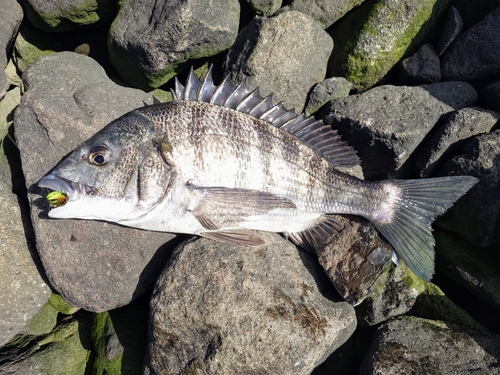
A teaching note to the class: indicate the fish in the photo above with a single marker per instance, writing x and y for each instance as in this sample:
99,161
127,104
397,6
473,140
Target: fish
223,162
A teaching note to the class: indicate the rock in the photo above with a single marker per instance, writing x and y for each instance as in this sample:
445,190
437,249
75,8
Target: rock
421,67
475,54
489,96
354,258
394,294
450,137
119,338
8,152
433,304
284,55
68,14
93,265
410,345
474,12
30,45
471,267
323,92
22,291
64,351
374,37
220,309
11,15
476,216
149,44
324,12
452,27
387,123
265,8
12,74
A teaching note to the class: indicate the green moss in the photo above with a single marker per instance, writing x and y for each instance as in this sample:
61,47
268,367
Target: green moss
43,322
371,50
30,45
60,304
64,352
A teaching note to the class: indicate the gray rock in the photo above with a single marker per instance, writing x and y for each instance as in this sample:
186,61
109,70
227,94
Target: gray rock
93,265
489,97
410,345
220,309
11,15
265,8
374,37
475,55
476,216
22,289
452,27
149,44
450,137
324,12
355,258
68,14
421,67
8,166
284,55
386,124
470,267
433,304
323,92
394,294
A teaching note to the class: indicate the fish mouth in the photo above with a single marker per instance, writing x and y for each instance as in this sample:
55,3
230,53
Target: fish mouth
73,190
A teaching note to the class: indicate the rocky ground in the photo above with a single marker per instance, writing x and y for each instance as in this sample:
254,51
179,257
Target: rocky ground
412,85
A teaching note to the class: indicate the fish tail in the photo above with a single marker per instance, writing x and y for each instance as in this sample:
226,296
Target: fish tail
411,207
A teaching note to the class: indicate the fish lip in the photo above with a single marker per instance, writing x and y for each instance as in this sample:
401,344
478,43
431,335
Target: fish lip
73,190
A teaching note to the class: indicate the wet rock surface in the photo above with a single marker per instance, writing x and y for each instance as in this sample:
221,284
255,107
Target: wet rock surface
276,309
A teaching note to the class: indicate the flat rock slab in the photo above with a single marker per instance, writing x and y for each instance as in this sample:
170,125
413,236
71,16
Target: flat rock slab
409,345
94,265
220,309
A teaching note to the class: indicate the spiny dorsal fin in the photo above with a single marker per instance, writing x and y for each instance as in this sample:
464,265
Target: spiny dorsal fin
318,136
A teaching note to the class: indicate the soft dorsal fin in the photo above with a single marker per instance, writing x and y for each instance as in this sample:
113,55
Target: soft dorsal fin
318,136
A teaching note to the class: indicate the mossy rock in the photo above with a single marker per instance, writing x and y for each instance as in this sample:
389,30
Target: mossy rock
373,38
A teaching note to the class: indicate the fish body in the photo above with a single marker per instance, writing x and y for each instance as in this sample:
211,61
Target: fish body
222,162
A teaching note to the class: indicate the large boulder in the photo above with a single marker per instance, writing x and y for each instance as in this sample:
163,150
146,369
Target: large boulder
221,309
262,54
94,265
150,44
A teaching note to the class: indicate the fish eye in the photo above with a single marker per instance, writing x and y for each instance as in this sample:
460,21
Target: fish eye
99,155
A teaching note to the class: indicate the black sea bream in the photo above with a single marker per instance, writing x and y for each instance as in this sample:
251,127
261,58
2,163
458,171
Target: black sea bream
222,162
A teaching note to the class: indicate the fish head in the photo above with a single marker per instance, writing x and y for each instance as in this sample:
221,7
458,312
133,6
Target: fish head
117,175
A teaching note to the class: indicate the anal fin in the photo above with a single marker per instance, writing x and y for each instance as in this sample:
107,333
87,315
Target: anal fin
239,237
312,238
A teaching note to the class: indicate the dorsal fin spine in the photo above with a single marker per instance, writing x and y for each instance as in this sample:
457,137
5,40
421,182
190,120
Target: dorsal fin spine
320,137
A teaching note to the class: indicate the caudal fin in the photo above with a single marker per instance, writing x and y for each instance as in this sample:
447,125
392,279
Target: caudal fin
418,204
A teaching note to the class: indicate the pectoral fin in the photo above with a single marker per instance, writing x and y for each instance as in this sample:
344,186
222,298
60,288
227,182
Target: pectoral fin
221,207
240,237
